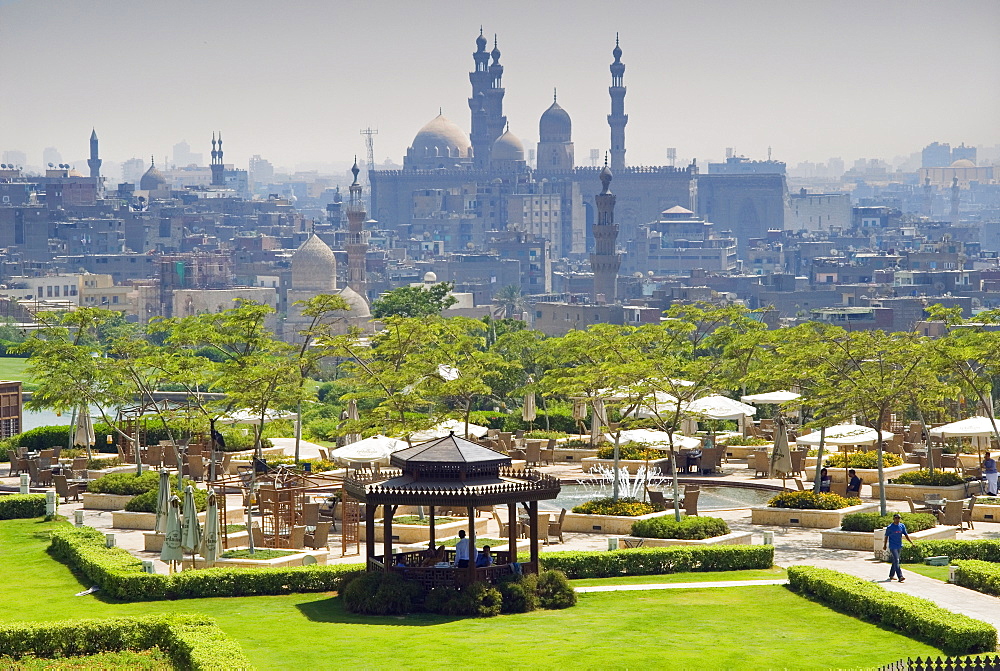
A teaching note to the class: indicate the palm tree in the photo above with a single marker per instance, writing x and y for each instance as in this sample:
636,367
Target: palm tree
511,300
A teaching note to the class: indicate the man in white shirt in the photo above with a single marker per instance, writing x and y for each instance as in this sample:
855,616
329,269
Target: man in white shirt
462,550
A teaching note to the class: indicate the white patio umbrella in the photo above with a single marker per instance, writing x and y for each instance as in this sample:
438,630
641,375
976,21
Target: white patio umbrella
658,404
659,440
373,448
190,527
781,457
162,502
210,538
973,427
449,426
771,397
845,434
528,412
83,433
171,551
719,407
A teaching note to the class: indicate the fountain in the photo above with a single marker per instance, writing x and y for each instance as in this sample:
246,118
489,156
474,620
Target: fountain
601,485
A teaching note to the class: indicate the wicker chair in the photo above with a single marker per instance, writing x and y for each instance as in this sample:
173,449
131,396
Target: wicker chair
953,514
297,539
657,499
66,490
320,538
761,463
691,500
967,512
555,527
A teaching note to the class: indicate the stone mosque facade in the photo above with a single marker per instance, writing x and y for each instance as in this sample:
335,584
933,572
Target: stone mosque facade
492,158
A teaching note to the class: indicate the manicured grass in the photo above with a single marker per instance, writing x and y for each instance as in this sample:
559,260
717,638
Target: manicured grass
936,572
13,368
426,521
739,627
713,576
258,553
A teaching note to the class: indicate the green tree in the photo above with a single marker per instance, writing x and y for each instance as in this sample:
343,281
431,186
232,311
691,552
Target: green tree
511,300
414,301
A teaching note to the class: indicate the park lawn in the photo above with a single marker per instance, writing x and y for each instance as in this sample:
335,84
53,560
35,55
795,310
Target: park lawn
936,572
774,573
13,368
737,627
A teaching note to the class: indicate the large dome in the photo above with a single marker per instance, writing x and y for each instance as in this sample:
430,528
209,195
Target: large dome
441,137
507,148
963,163
152,180
555,125
359,306
314,267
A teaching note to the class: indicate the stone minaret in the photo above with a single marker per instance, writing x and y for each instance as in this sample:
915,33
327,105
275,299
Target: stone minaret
496,122
357,238
218,167
928,197
617,119
955,200
480,79
94,162
605,262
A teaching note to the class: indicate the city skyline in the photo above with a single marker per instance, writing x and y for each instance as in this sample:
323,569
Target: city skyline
295,83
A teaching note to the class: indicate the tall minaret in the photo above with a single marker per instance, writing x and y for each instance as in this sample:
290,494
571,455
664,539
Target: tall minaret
496,122
480,79
94,162
955,199
218,167
605,262
357,238
928,197
617,119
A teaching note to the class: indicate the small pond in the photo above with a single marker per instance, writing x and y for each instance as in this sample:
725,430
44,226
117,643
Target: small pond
712,497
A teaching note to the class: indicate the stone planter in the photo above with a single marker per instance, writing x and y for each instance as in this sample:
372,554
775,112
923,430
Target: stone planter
123,519
898,492
153,542
986,513
734,538
574,454
632,465
867,540
105,501
867,475
297,559
605,524
744,451
813,519
421,533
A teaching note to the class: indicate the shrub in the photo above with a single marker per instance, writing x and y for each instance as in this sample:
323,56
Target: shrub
489,419
380,593
925,477
545,435
519,593
146,502
22,506
984,550
625,506
988,500
688,528
920,618
560,419
862,460
658,561
979,575
809,500
486,599
873,521
191,641
745,441
554,590
125,484
630,450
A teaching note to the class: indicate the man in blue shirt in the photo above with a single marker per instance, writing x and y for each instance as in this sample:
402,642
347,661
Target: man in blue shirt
990,473
894,534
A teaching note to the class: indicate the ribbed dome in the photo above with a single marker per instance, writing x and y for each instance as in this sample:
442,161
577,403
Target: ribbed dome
152,180
441,137
359,306
314,267
963,163
555,125
507,148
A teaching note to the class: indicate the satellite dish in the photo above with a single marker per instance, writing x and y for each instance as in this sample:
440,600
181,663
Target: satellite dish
833,252
50,165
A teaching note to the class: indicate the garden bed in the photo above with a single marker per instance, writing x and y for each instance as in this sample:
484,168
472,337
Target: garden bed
605,524
153,542
124,519
733,538
421,533
574,454
867,475
632,465
898,492
93,501
288,561
806,517
986,512
872,540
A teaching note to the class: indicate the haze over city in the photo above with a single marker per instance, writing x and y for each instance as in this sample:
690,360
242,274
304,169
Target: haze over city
295,82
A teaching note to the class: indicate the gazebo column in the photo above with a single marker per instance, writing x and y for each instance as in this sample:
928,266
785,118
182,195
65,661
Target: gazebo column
432,543
370,530
388,511
471,510
512,525
533,526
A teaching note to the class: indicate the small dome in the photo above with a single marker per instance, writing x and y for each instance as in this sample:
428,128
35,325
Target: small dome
555,125
314,267
507,148
152,180
441,137
963,163
481,41
430,277
359,306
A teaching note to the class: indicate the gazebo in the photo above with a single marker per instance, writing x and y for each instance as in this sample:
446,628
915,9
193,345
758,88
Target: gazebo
450,473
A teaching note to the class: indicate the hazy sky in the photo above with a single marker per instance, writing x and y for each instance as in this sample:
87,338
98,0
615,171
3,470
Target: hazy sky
295,81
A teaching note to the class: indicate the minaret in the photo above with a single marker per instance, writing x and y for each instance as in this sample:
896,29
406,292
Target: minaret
480,79
496,122
955,199
94,162
357,238
218,167
617,119
604,261
928,197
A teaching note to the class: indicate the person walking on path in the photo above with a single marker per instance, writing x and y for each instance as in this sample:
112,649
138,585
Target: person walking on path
990,473
894,534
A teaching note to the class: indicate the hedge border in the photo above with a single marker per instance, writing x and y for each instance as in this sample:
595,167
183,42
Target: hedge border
984,550
981,576
191,641
121,577
954,633
658,561
22,506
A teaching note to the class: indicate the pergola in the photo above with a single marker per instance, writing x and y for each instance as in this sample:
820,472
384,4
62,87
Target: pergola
451,473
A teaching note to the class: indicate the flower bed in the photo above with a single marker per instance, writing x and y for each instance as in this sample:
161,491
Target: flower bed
734,538
625,506
287,559
862,460
900,492
605,524
804,517
868,522
927,478
808,500
868,476
861,537
688,528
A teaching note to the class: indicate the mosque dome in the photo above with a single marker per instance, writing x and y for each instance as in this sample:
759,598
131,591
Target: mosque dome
152,180
314,267
430,277
359,306
507,148
555,125
963,163
442,138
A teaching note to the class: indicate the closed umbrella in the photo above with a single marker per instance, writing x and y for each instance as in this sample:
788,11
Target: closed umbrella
781,456
528,412
210,538
83,433
579,410
352,415
171,551
598,420
191,528
162,502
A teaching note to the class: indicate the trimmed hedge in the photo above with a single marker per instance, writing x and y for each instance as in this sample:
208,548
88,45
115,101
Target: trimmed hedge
954,633
983,550
981,576
625,506
191,641
810,500
120,575
873,521
146,502
862,460
688,528
631,450
22,506
925,477
125,483
658,561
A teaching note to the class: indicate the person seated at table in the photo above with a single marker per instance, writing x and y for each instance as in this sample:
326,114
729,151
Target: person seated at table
400,563
432,557
484,558
854,484
824,481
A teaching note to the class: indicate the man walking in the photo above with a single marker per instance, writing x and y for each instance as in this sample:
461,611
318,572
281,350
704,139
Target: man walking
894,534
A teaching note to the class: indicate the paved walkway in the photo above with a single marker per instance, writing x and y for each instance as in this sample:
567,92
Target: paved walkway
679,585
